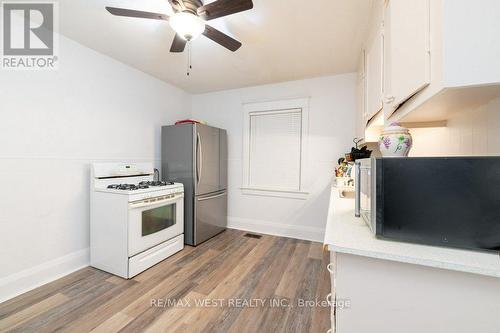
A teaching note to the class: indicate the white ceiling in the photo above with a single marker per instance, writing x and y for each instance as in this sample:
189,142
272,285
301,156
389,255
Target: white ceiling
282,40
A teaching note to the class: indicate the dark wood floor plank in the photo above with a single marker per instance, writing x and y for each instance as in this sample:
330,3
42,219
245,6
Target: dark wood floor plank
46,321
100,314
148,316
26,314
137,306
288,284
274,319
228,266
299,319
70,322
225,237
172,318
321,315
248,285
249,318
39,294
208,283
86,284
113,324
197,319
212,265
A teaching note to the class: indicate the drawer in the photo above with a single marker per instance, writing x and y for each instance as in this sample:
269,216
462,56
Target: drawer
148,258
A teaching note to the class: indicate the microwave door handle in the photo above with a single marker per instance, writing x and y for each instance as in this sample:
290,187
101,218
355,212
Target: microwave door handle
357,203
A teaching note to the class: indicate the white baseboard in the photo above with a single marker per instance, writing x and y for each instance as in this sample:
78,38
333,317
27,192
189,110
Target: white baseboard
277,229
21,282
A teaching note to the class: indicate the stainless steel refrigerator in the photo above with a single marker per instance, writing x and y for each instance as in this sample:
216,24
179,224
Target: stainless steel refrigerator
196,156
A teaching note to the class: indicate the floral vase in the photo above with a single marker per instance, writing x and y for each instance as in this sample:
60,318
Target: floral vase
395,141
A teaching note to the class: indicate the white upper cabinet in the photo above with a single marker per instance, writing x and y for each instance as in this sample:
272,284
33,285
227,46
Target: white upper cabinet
428,59
375,74
462,70
408,30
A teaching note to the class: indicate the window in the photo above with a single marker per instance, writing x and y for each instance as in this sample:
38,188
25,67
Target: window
275,135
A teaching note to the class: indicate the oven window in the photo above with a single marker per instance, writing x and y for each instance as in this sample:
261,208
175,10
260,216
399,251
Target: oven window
158,219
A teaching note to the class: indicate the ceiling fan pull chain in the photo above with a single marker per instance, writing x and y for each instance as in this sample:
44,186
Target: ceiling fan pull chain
189,67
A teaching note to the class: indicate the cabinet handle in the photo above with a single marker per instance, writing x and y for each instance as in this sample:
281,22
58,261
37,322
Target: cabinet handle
329,268
389,99
329,298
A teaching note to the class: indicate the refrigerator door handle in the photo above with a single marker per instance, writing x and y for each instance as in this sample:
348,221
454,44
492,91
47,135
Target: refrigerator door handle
201,157
213,196
198,160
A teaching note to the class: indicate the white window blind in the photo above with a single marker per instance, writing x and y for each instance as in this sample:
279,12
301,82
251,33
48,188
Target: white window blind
275,146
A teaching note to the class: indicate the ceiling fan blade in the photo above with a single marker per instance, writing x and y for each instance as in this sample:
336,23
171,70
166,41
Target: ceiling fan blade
136,13
221,38
221,8
177,5
178,44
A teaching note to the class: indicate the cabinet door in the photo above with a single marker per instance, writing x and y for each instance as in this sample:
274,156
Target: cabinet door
360,98
374,74
409,47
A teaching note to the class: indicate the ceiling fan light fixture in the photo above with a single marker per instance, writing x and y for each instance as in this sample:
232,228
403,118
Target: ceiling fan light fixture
187,25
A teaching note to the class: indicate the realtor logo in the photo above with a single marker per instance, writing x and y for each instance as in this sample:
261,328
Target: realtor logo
28,35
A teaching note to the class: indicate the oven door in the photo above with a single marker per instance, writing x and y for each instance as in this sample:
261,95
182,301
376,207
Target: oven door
152,222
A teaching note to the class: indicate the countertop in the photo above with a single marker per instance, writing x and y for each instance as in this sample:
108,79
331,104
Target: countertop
346,233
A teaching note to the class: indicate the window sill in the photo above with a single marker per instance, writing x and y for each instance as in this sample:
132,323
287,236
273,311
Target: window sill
275,193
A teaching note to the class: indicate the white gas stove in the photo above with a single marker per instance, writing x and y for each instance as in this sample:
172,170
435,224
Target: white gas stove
135,221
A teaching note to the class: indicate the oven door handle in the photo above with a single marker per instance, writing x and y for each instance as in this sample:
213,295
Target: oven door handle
148,203
357,179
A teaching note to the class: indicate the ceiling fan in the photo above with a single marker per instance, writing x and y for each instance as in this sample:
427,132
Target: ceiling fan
189,20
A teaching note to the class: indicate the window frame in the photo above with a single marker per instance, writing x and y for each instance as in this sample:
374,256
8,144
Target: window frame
276,107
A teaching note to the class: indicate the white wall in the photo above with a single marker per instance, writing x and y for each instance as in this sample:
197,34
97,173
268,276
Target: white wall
331,129
472,132
53,124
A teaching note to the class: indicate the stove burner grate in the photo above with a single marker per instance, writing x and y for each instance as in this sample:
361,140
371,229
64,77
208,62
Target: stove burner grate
156,183
127,187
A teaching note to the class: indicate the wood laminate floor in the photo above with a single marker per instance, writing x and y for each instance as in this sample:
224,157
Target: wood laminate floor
230,283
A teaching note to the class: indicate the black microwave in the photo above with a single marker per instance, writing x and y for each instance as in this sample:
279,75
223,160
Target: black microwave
443,201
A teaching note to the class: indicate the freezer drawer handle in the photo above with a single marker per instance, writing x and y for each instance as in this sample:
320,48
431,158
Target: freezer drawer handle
213,197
